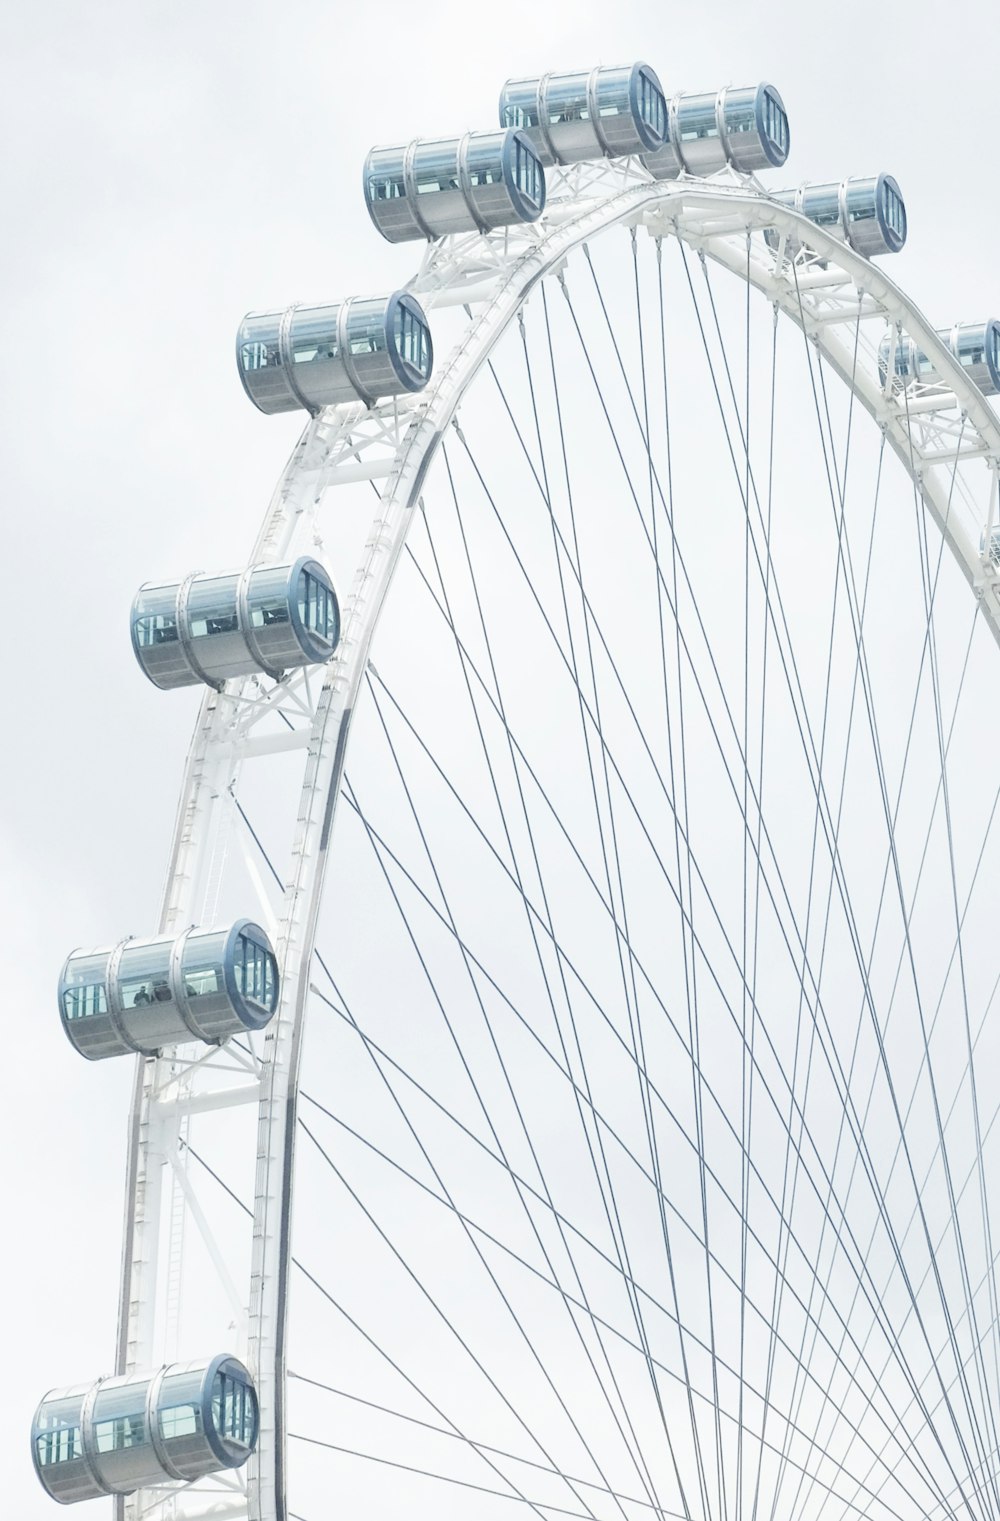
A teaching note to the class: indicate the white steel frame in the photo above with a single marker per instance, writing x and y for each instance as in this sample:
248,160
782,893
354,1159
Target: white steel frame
946,436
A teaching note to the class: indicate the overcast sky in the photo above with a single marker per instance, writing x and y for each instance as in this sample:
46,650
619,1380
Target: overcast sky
166,168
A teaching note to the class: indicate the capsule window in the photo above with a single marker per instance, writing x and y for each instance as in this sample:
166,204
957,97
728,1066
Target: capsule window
222,623
384,187
410,333
259,355
270,613
61,1438
435,169
995,346
200,981
316,606
571,110
255,972
142,991
698,121
313,338
233,1409
741,118
892,210
85,1002
824,210
156,628
652,106
775,122
520,116
119,1432
60,1446
527,174
180,1421
372,342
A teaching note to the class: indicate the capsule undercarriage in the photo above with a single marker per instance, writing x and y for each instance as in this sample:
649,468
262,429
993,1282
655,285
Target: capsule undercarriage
141,995
269,618
174,1425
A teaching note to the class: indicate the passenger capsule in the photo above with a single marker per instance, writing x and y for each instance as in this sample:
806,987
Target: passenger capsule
429,189
867,214
606,113
976,346
745,128
177,1424
268,618
315,356
142,995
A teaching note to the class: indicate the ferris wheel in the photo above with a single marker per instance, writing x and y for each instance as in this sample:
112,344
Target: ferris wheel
641,1134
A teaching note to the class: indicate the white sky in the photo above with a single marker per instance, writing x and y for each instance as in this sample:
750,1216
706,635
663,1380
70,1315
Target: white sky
166,168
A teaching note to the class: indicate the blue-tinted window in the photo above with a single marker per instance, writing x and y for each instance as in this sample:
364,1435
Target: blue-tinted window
411,338
158,628
259,355
527,174
180,1421
372,341
893,210
85,1002
697,119
316,606
652,106
272,612
144,990
59,1446
220,623
256,972
383,187
199,981
822,207
525,115
121,1431
234,1409
775,122
570,110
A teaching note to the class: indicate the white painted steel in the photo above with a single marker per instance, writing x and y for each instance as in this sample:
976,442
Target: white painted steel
828,291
